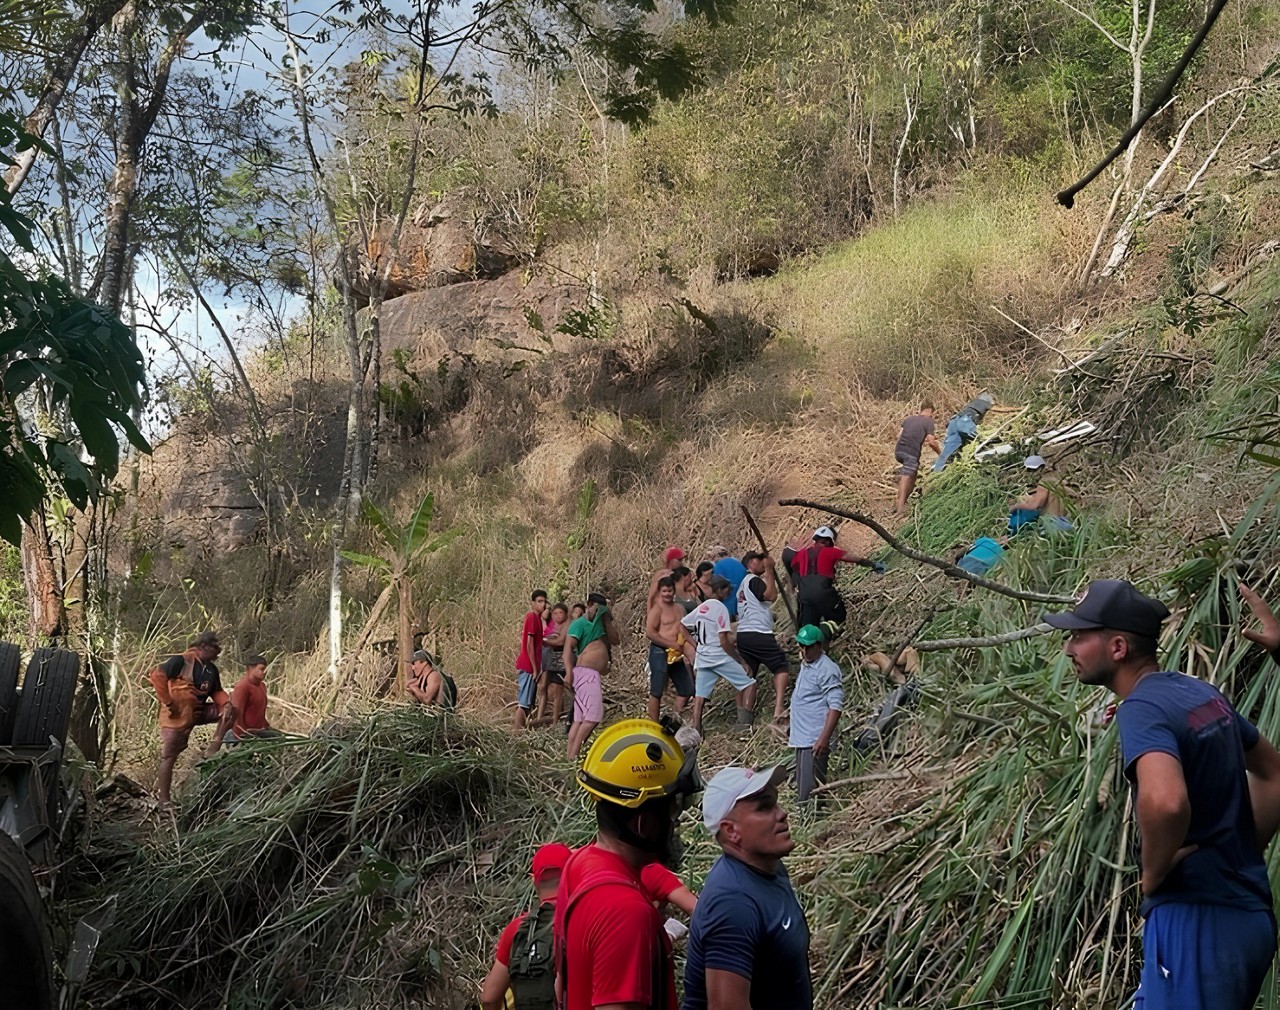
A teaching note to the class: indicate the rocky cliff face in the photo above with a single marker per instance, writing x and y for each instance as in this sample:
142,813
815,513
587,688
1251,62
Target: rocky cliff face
454,305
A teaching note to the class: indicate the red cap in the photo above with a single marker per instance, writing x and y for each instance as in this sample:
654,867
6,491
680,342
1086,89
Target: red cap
674,554
549,857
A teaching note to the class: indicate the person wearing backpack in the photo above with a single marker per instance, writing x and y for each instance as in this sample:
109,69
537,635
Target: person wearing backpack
611,948
524,961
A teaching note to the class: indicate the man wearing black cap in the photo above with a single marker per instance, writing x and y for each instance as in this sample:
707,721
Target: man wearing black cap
1207,790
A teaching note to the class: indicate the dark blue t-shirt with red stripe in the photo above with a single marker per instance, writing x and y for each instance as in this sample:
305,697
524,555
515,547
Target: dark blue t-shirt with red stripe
1175,714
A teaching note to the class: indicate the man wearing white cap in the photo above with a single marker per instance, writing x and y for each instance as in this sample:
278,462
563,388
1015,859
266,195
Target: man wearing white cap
813,570
1040,501
749,941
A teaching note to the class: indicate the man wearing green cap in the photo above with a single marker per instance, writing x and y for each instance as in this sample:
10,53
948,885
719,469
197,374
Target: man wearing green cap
816,702
1207,796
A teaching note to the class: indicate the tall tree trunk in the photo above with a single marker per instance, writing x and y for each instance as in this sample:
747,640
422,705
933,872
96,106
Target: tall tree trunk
404,633
44,589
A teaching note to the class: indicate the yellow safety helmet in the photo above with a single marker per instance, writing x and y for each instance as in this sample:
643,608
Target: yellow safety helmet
632,762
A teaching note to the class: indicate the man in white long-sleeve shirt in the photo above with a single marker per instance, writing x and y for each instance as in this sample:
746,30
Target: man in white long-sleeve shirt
816,702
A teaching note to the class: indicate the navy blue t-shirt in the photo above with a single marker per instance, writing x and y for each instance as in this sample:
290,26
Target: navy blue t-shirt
735,571
1175,714
744,919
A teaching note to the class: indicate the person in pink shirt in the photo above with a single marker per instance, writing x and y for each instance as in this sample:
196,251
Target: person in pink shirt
529,658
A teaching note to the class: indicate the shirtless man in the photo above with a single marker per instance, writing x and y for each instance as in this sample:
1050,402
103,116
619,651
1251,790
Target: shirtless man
1039,501
666,649
424,683
586,660
673,559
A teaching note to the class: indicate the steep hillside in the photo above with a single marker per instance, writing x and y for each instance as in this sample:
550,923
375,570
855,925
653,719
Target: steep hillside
982,857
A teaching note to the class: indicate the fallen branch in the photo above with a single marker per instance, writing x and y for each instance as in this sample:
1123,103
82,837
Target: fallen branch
941,644
955,571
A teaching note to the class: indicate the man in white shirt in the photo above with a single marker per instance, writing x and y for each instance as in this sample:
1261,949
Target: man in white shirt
716,655
756,641
816,703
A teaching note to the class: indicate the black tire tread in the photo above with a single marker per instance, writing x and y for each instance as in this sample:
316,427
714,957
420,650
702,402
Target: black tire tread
10,664
26,955
44,704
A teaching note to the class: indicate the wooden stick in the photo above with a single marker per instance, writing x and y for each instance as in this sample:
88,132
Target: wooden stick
782,589
946,566
939,644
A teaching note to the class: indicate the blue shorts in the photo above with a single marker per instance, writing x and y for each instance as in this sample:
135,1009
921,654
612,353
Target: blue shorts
1204,957
526,690
726,668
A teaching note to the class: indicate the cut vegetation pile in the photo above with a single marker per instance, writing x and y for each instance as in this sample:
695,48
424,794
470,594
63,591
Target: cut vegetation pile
368,865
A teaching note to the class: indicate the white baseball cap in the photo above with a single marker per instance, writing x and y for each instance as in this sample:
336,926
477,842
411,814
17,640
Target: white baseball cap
731,784
824,531
1033,462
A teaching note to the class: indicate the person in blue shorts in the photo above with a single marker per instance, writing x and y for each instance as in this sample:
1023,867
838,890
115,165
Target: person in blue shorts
748,939
1207,796
716,656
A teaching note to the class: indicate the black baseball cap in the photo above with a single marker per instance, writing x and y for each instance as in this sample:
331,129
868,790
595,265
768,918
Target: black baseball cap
1115,604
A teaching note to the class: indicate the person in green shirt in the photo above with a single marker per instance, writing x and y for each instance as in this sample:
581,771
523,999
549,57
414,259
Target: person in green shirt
587,650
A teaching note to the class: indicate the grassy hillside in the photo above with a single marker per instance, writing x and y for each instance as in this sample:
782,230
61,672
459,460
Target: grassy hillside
984,858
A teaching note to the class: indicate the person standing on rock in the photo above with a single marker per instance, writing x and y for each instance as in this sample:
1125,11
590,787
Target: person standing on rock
529,658
917,432
666,650
1207,797
813,569
717,657
190,692
749,940
963,428
756,641
587,651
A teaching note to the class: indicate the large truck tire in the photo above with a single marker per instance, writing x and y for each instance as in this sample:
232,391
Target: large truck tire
26,957
10,663
44,703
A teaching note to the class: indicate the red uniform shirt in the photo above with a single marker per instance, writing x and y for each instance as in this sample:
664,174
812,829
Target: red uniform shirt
659,882
828,558
250,700
532,629
613,942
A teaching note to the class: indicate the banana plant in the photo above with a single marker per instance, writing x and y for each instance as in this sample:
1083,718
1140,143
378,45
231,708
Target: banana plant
403,546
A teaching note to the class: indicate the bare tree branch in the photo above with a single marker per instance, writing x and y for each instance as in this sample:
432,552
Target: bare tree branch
946,566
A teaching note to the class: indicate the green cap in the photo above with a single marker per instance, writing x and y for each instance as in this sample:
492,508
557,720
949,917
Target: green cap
810,634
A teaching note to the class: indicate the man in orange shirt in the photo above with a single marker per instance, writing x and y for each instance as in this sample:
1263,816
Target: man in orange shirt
249,698
190,692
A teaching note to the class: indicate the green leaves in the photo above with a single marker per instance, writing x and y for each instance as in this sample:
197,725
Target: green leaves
405,544
82,364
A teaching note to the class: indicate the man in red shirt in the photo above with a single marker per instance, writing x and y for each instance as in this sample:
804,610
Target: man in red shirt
611,946
548,862
529,658
813,569
249,697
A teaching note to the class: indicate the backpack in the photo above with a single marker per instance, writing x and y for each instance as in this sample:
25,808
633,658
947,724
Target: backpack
533,966
448,692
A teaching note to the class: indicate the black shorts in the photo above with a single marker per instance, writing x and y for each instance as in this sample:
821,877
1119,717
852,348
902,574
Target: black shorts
661,672
554,676
759,649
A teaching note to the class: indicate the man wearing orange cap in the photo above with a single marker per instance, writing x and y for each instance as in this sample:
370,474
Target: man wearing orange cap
524,961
